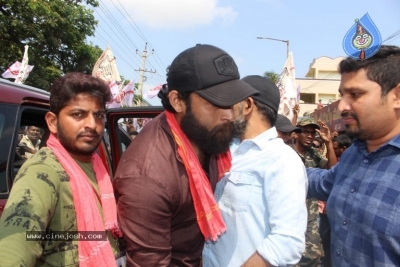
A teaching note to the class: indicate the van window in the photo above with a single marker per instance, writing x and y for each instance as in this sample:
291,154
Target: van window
7,124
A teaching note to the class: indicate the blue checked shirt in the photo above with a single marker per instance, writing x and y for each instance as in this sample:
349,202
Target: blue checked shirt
363,204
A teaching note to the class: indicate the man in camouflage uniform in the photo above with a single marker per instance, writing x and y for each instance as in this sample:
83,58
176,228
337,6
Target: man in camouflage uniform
311,157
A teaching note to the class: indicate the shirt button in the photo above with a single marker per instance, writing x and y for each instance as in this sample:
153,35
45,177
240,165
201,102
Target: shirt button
238,152
207,246
352,190
338,253
365,161
344,222
217,195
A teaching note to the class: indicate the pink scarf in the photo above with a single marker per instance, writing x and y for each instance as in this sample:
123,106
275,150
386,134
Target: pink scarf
91,253
208,215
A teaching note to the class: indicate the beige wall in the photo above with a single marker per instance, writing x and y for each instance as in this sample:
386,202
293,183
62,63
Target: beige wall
321,82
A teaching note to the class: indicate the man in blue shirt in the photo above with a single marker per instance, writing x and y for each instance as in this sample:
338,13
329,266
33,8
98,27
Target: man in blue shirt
262,198
363,189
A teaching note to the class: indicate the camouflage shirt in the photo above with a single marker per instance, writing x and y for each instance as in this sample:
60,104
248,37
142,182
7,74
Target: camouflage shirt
314,250
41,200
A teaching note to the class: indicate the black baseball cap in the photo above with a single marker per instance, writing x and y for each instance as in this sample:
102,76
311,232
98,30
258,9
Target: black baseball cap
268,91
284,125
211,73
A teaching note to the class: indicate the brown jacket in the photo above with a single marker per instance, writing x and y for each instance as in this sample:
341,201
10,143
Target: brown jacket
155,207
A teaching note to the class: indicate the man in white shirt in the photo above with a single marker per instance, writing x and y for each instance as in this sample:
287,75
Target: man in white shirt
262,198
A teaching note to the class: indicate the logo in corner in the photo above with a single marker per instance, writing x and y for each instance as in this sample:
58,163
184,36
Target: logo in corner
226,66
363,39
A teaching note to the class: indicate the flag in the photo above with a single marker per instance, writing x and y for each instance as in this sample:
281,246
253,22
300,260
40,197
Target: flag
129,92
115,98
106,67
287,88
298,94
24,68
154,91
121,97
14,70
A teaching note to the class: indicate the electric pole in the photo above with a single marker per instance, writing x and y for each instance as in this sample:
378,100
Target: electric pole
142,70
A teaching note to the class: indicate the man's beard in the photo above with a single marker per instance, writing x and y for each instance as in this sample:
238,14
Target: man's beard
68,143
355,131
210,142
240,124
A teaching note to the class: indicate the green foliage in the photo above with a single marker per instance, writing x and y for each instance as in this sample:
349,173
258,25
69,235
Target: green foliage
55,31
274,77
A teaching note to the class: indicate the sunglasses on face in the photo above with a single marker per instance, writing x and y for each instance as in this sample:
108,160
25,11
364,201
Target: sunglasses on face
316,146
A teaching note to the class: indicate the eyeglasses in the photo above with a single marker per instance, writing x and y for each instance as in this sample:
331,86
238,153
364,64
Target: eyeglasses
316,146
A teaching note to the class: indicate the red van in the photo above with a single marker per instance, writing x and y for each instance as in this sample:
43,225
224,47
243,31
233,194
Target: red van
22,106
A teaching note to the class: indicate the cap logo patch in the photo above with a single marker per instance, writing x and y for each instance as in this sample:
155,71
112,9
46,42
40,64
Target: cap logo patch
225,66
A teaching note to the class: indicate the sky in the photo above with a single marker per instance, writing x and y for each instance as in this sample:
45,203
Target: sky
314,28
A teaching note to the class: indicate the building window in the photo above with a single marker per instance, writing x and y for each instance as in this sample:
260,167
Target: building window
307,98
327,98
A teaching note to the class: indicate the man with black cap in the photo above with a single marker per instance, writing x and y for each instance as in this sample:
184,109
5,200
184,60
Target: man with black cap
262,198
166,177
285,129
311,157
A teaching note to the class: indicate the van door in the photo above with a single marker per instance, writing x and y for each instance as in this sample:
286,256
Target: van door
119,138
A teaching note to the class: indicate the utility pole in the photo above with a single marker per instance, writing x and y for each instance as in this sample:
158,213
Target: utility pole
142,70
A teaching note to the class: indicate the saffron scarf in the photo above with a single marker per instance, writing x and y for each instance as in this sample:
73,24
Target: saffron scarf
91,253
208,215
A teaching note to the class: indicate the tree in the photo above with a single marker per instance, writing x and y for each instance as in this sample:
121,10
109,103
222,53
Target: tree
274,77
55,31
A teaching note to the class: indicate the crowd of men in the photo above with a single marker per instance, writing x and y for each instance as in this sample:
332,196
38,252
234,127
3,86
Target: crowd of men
221,178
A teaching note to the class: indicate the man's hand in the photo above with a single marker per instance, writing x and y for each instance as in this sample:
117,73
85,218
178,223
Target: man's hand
324,132
296,109
256,261
335,134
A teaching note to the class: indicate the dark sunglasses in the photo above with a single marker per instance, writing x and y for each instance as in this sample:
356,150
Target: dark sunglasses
316,146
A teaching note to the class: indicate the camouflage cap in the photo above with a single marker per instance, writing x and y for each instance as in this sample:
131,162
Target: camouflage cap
307,121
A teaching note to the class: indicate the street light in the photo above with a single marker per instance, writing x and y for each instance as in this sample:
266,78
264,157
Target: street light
285,41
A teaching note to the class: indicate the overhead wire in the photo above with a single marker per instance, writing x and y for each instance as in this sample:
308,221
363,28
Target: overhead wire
136,28
115,52
126,38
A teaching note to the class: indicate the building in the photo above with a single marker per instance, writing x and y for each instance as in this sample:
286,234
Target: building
321,82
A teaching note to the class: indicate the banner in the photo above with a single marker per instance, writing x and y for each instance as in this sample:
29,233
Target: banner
287,88
106,67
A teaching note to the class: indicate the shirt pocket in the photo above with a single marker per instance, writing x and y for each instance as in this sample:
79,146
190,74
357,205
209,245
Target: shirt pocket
239,190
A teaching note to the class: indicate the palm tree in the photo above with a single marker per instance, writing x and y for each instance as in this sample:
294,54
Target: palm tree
274,77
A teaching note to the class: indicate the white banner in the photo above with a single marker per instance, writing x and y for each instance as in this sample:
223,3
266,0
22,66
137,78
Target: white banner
106,67
287,88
